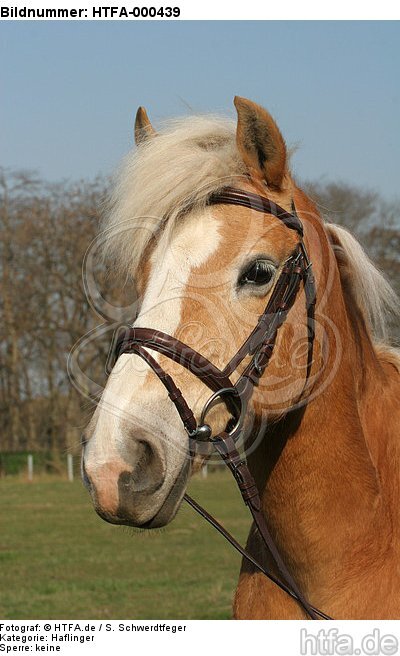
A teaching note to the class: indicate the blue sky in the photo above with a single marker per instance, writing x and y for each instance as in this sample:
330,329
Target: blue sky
69,90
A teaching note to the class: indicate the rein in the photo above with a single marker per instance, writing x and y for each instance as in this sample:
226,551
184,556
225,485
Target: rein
259,346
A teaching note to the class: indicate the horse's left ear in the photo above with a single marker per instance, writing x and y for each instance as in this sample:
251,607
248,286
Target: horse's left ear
143,128
260,143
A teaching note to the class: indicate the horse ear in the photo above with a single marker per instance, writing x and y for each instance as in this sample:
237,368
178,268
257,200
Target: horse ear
260,142
143,128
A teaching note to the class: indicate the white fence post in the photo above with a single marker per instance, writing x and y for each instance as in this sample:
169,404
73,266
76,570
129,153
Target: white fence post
30,468
70,467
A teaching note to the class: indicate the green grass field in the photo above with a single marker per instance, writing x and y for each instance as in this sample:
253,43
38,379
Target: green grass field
59,560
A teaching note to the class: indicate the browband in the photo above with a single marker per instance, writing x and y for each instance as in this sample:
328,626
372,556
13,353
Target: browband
232,196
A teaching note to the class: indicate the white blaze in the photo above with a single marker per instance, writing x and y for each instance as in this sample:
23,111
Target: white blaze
127,403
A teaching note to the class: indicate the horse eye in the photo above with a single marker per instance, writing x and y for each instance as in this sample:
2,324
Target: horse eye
258,273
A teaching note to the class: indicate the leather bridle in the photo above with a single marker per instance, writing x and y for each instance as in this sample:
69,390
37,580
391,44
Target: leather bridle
259,347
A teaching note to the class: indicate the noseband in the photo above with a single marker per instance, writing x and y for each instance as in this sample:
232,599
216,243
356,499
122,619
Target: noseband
259,347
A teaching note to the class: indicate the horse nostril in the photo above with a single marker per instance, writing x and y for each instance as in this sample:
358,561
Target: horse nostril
148,469
85,478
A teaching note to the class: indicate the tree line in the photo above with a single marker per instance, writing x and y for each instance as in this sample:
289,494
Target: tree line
45,230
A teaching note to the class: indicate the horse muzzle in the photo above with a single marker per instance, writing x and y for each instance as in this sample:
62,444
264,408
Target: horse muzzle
132,487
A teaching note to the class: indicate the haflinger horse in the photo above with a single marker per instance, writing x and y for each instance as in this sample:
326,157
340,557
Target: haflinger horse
273,323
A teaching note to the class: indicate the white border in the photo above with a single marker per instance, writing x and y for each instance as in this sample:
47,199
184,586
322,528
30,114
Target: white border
197,638
221,10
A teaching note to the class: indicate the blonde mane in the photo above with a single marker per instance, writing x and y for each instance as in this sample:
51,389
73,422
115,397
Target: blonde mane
370,290
163,179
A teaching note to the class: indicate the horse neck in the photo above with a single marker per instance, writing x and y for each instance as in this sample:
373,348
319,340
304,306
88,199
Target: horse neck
316,466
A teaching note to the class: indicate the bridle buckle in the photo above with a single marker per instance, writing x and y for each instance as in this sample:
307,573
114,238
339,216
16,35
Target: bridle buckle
201,433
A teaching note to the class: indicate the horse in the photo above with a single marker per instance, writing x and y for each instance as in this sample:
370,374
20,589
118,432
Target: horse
320,429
